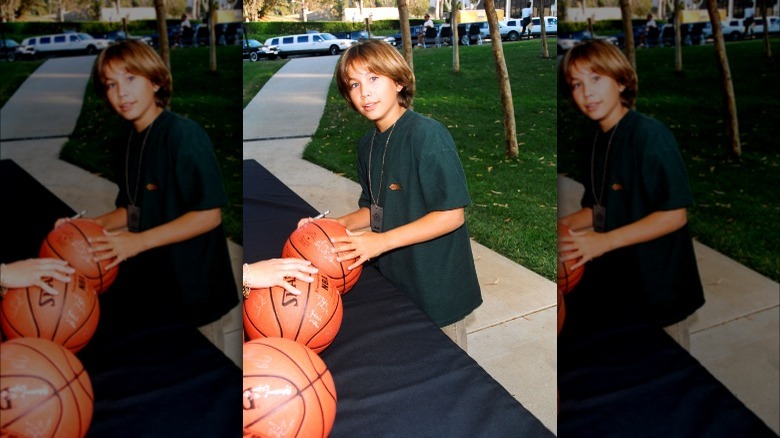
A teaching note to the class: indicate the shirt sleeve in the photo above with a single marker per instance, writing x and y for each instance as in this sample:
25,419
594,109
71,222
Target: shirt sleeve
666,186
441,172
199,177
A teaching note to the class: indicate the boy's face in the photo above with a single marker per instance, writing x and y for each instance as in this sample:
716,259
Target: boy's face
375,96
596,95
132,96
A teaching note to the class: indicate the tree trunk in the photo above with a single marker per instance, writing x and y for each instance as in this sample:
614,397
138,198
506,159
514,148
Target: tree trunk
677,40
162,30
628,31
406,35
455,37
732,126
543,30
510,128
767,46
212,36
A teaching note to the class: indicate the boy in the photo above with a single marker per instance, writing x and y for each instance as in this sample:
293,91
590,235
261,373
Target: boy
413,192
170,197
641,265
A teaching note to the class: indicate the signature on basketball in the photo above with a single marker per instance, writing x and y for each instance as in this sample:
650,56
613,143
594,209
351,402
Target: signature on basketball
315,318
76,312
16,392
262,392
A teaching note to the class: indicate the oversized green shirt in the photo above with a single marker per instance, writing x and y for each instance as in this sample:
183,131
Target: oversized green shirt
422,173
179,173
659,279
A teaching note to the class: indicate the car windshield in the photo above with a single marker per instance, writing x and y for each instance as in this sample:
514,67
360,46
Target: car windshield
327,36
10,43
85,36
254,43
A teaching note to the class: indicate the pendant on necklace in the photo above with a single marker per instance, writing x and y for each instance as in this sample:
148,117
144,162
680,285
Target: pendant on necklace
377,215
599,218
133,218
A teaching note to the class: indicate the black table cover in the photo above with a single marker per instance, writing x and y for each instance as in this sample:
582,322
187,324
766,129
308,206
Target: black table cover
396,373
619,379
150,379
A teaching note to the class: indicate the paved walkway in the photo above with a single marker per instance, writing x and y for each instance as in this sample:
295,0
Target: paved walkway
735,335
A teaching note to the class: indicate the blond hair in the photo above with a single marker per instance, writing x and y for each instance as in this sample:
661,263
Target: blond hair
602,58
381,58
138,59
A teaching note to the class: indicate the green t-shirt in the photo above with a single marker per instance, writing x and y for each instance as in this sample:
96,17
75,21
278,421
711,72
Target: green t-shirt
179,173
422,173
644,174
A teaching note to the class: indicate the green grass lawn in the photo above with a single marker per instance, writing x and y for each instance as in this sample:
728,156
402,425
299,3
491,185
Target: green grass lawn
14,74
209,98
256,74
514,200
735,202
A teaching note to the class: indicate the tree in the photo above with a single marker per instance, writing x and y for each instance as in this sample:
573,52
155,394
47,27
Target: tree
162,30
455,38
510,128
767,46
628,31
406,34
212,36
543,30
732,127
677,36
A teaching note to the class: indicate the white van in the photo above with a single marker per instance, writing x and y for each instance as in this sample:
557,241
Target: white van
309,44
62,43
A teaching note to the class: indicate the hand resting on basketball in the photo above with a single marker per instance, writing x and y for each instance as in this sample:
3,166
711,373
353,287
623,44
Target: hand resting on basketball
273,272
31,272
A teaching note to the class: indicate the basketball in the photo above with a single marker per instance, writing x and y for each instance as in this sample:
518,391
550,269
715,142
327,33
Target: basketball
568,278
312,318
44,390
312,242
69,318
70,242
288,390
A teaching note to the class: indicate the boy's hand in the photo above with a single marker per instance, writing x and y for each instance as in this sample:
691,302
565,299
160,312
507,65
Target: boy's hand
116,245
585,244
363,245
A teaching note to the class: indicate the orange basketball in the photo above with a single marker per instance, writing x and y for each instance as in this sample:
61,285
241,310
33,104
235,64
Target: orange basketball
312,242
69,318
568,278
44,390
312,318
288,390
70,242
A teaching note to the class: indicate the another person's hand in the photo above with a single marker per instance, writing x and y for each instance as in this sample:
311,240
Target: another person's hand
275,272
31,272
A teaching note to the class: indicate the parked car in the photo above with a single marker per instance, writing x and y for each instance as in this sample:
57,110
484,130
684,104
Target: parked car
550,26
569,40
309,44
8,49
62,43
254,50
360,35
225,34
510,29
472,33
638,28
116,36
774,25
732,29
690,33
